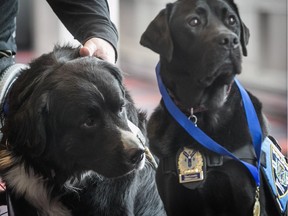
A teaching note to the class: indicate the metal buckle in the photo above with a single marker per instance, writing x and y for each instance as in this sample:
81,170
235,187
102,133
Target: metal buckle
193,117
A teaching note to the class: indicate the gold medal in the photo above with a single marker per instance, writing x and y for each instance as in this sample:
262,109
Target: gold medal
256,209
191,165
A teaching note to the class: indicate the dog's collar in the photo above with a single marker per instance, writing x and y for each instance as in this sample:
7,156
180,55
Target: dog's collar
188,111
193,110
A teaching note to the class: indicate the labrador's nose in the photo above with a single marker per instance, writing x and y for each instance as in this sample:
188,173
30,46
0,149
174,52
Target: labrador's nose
228,41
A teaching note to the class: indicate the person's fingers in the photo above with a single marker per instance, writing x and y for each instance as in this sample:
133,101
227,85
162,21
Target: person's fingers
105,54
88,49
99,48
84,51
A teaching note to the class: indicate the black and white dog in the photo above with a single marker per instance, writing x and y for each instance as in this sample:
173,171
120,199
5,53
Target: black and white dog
71,141
200,43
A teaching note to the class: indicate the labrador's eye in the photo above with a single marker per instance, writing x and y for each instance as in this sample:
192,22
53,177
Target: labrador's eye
195,21
231,20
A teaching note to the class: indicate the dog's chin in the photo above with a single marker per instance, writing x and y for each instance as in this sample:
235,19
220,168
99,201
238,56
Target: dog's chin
129,169
218,85
114,175
139,166
216,95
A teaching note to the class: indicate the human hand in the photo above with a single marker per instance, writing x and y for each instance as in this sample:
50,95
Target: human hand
100,48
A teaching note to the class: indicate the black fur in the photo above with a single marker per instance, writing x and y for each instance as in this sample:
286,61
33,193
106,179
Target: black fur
67,148
200,44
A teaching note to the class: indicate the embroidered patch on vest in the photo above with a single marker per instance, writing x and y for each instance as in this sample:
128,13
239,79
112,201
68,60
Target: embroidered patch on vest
276,172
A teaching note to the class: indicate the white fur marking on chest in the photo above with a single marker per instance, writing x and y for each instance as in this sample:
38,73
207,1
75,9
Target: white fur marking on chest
33,187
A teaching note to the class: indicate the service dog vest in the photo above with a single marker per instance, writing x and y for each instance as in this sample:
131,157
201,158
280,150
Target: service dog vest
275,168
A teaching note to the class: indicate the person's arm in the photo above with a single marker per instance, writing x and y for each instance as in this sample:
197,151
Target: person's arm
89,22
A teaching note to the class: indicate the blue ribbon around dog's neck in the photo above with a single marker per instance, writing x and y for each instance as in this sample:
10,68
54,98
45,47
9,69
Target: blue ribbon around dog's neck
205,140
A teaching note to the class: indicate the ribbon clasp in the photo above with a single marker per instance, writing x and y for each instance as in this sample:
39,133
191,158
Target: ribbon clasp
193,117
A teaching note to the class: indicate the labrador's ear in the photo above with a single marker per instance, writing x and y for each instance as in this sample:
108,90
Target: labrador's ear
157,36
245,34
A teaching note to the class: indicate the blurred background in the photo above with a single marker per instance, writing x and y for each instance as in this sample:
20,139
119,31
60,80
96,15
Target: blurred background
264,70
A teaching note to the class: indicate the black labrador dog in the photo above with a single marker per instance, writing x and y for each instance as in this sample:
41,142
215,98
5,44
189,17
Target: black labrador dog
72,142
200,43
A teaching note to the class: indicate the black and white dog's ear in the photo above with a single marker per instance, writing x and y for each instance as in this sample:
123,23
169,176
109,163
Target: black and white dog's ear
245,34
28,126
39,137
157,36
115,71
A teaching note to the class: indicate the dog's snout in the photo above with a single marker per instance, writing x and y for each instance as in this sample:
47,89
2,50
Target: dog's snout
228,41
134,149
135,155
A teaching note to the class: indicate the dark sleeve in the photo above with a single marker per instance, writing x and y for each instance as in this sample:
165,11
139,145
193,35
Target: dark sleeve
8,11
86,19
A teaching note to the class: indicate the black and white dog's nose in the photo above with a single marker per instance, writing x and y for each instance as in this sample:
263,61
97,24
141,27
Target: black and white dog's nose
135,155
228,41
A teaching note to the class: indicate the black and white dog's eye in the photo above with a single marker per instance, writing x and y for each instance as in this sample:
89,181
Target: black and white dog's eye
195,21
90,122
121,110
231,20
